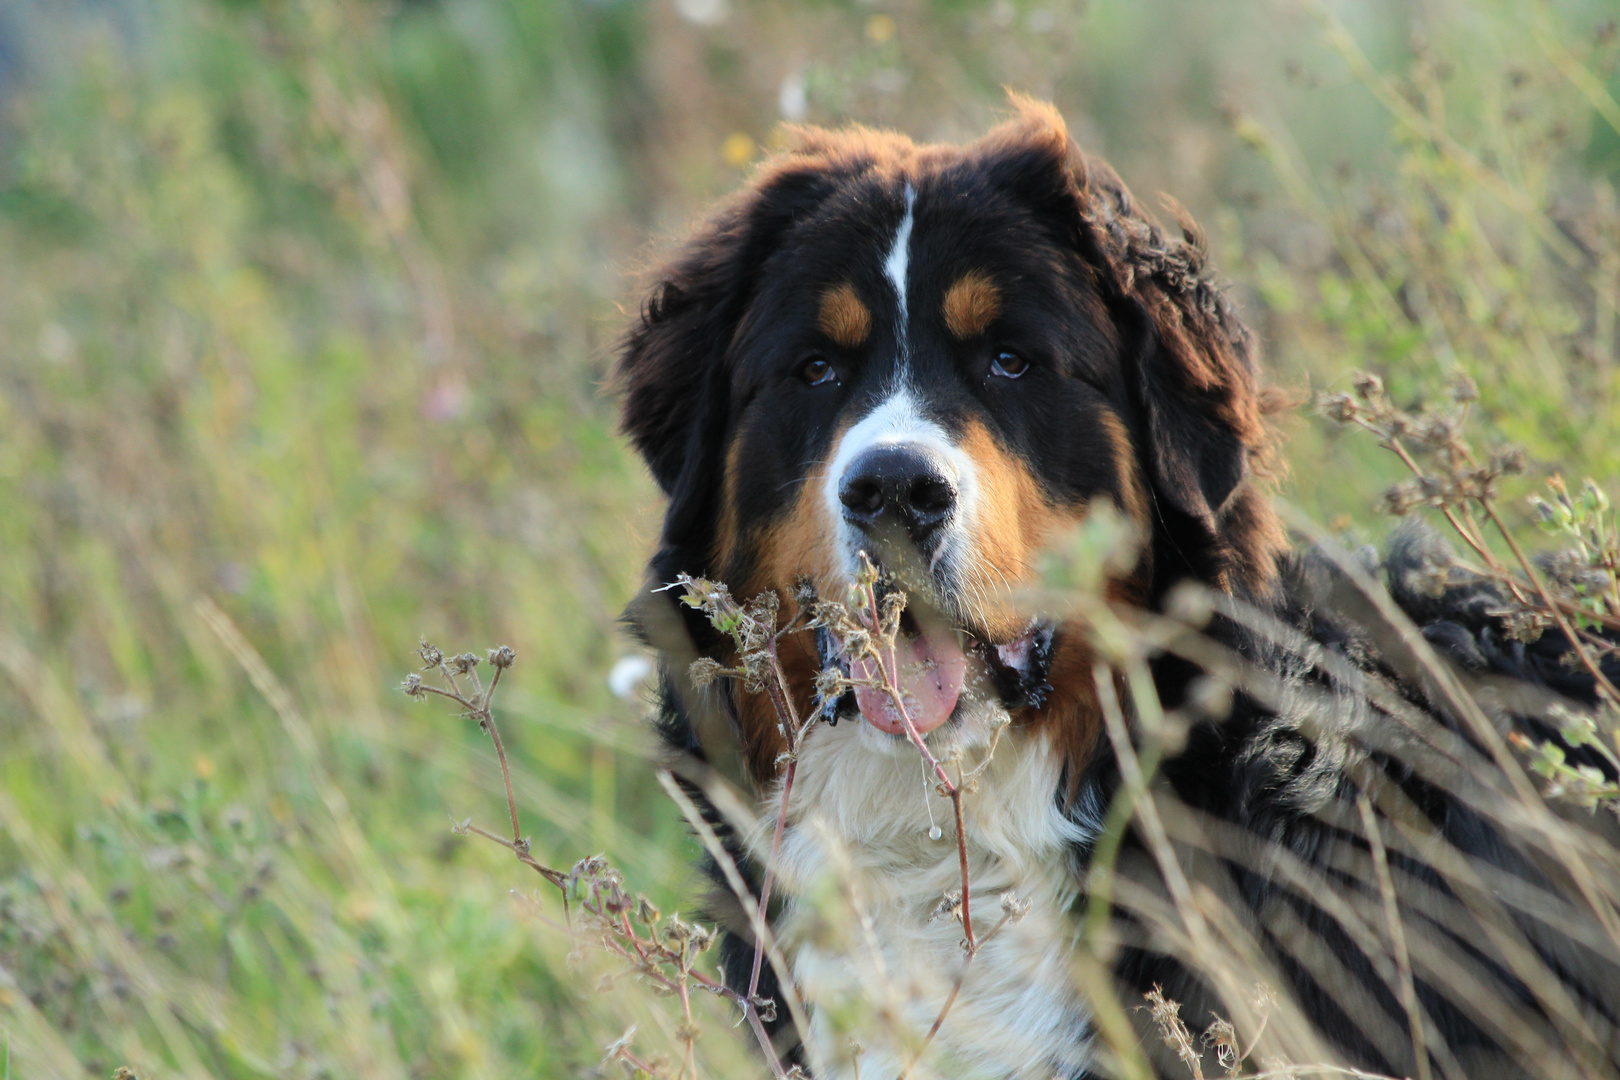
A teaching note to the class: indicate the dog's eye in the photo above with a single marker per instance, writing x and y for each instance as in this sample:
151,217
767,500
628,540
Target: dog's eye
817,372
1008,365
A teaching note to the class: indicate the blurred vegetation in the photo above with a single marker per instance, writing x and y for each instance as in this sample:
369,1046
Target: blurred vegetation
306,308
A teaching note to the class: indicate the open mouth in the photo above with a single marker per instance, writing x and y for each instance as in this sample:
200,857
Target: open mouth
928,667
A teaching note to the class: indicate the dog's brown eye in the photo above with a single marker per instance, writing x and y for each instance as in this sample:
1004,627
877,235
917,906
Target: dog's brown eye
1009,365
817,372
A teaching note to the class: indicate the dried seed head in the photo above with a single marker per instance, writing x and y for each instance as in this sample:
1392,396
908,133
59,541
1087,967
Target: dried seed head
704,671
1463,389
431,656
1522,624
757,665
1479,483
646,913
615,901
949,906
590,866
1340,408
830,684
1433,488
1401,499
1435,430
1369,387
764,607
1172,1029
890,607
502,657
464,663
413,685
857,643
1221,1036
1013,907
1508,461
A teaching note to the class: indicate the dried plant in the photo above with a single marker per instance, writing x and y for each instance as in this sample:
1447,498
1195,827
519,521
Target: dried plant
864,629
1575,589
661,950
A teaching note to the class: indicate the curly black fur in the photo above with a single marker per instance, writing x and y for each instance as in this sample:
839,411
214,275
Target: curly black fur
1291,780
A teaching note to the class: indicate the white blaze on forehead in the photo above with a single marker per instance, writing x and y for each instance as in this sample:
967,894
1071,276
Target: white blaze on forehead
898,421
898,266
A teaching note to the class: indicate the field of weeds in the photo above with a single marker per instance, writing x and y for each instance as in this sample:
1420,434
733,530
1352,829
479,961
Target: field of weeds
306,314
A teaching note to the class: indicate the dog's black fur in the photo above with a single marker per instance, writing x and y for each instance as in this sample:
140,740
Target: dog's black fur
1292,778
1119,325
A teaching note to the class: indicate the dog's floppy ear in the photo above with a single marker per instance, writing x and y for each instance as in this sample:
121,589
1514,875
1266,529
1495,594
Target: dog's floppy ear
1194,375
677,347
1190,362
674,368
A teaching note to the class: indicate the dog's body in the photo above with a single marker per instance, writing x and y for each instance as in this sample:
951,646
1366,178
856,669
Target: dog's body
949,357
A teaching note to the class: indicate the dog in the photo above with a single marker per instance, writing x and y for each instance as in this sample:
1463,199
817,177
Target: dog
947,359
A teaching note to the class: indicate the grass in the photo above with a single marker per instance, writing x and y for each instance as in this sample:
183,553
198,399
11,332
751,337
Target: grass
305,311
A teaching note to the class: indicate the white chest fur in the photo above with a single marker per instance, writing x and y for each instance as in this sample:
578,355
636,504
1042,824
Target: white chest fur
870,956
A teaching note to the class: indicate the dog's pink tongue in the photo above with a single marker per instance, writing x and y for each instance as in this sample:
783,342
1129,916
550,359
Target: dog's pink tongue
932,667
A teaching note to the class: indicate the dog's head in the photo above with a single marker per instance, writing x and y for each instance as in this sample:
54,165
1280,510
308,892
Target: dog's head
945,357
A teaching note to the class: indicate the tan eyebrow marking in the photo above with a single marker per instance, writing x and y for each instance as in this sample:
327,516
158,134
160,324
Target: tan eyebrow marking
972,304
843,317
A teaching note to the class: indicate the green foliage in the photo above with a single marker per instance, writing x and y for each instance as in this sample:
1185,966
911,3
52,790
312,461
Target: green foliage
305,310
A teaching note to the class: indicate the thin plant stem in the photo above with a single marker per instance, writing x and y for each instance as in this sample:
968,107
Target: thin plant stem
950,998
889,681
728,867
1604,686
1397,935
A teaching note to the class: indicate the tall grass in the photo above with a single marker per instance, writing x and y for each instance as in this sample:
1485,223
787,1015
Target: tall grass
304,312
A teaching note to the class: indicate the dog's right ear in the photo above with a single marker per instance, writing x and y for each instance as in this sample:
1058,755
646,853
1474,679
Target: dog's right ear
680,341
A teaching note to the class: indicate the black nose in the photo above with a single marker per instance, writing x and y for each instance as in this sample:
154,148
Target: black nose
909,484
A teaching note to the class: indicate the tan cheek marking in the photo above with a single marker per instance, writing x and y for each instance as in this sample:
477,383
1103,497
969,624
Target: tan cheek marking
972,304
797,545
843,317
800,545
1012,522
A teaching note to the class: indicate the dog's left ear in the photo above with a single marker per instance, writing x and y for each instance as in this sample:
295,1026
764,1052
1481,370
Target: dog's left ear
674,371
1190,363
1196,385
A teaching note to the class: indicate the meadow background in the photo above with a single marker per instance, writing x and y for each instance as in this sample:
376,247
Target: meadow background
307,309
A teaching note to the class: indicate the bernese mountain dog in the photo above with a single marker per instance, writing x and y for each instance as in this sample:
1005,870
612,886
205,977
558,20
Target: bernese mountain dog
946,358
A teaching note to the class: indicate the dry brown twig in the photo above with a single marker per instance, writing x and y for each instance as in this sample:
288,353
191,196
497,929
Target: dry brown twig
864,630
660,949
1577,590
1463,482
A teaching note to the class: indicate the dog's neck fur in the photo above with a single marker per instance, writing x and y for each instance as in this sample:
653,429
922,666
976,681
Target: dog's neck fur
864,879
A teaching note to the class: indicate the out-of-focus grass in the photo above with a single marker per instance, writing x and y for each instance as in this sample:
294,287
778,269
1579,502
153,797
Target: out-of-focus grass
261,430
305,308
